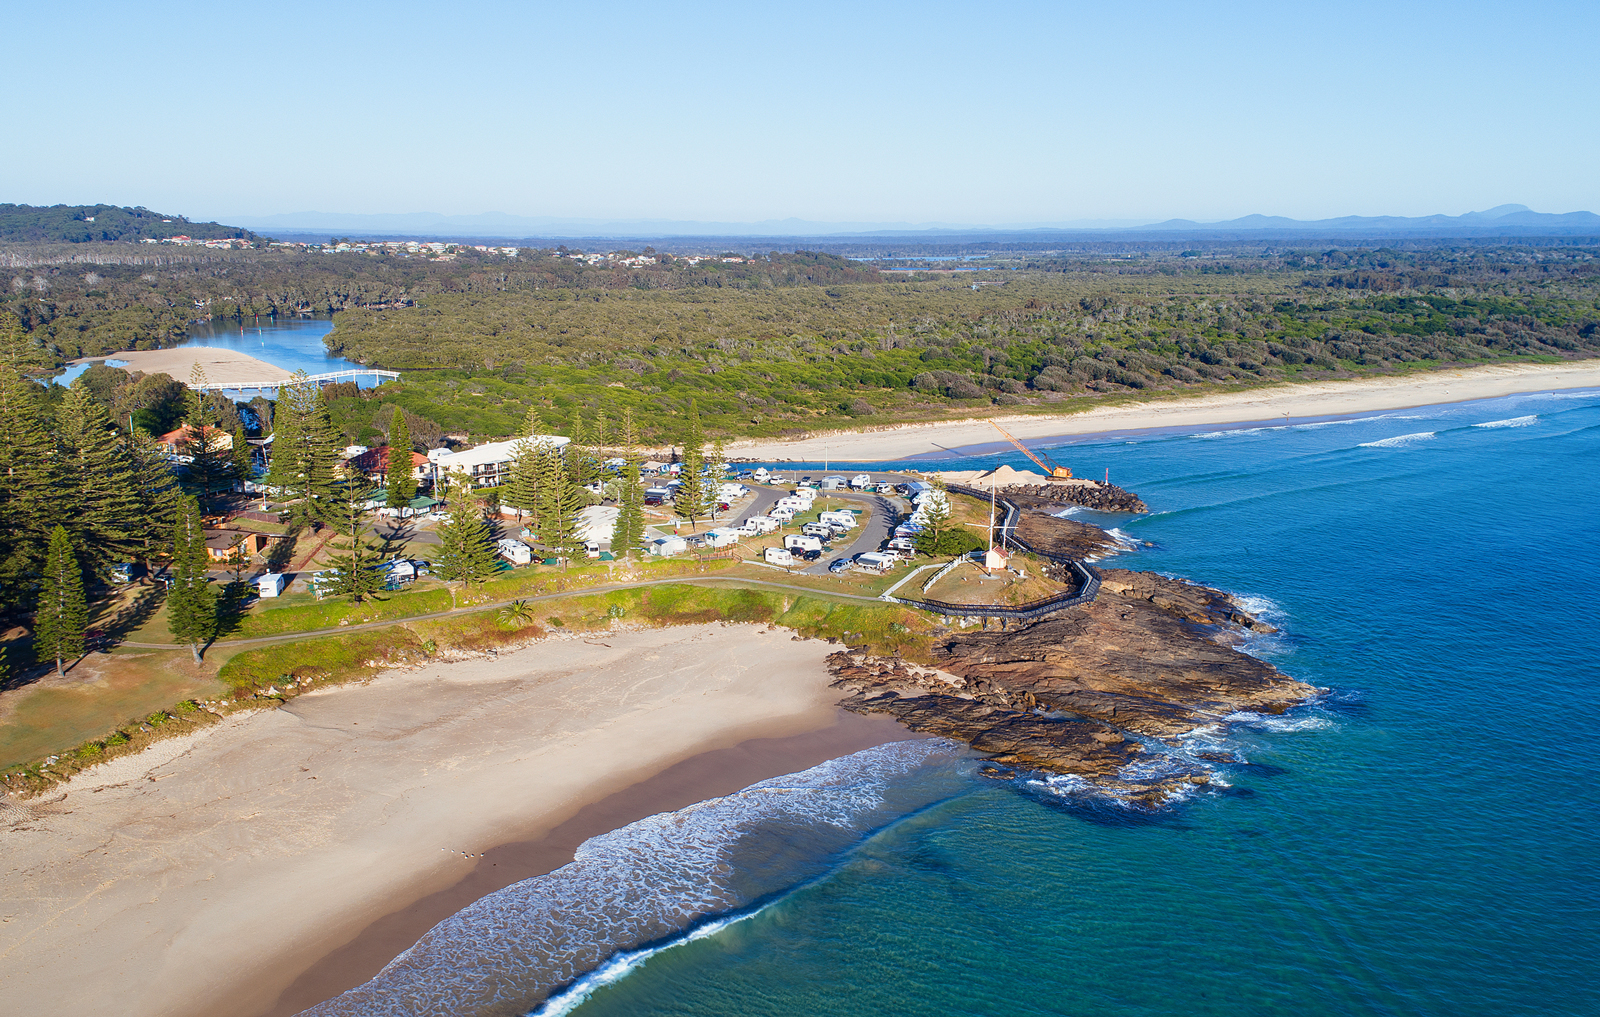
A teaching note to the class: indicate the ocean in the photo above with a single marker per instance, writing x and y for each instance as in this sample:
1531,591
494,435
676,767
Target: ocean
1418,840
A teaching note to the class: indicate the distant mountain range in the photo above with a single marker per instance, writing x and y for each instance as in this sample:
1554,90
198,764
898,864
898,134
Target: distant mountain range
1503,220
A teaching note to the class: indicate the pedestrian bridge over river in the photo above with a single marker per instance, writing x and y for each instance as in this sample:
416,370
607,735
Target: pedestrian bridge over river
224,370
265,385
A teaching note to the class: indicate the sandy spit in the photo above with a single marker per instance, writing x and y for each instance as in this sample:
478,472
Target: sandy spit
211,873
1315,399
226,366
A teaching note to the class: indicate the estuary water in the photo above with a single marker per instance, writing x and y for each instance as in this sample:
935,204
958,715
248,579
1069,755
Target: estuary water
1419,840
294,344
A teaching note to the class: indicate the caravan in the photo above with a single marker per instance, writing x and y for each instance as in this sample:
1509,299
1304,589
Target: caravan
845,519
514,551
799,542
722,536
875,561
778,556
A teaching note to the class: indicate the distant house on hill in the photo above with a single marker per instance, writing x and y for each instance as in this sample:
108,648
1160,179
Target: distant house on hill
374,464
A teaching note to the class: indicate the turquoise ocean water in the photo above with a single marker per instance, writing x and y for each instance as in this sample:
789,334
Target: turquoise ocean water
1421,840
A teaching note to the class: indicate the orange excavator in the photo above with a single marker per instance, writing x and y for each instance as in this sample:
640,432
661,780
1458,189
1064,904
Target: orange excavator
1043,461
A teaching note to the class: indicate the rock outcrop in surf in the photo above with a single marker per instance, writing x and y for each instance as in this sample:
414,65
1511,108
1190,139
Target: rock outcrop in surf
1085,690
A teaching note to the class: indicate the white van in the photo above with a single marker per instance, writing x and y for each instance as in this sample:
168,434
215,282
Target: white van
845,519
796,541
778,556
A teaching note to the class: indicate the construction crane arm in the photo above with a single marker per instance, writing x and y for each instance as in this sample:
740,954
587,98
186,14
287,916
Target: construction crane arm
1050,469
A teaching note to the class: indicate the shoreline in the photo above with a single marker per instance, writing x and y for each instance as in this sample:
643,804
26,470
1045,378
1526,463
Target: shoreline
714,773
275,859
1297,401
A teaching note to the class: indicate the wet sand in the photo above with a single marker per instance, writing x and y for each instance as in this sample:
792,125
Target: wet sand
1295,401
280,857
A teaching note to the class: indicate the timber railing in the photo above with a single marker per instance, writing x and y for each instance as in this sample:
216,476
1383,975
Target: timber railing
1006,529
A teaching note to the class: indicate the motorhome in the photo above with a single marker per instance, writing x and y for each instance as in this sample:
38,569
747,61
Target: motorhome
797,541
514,551
845,519
778,556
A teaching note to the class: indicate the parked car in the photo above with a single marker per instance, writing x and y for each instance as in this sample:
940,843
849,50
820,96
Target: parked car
811,555
839,565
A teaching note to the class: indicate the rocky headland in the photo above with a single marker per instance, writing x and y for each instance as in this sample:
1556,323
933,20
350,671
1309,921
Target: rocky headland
1086,690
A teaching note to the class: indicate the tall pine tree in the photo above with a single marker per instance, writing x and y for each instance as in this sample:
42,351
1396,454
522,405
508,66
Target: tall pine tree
465,554
99,481
690,501
357,576
63,614
629,530
305,449
244,460
398,478
522,487
191,602
204,443
29,488
158,494
559,505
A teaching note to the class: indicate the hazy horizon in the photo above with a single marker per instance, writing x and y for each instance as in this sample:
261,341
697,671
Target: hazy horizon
1033,113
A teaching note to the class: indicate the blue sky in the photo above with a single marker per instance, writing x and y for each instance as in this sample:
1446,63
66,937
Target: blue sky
959,113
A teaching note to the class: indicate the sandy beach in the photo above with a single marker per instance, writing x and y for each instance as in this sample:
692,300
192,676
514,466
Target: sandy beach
227,366
1294,401
279,857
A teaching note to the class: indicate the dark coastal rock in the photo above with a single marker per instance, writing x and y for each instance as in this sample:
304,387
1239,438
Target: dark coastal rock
1066,537
1093,495
1150,657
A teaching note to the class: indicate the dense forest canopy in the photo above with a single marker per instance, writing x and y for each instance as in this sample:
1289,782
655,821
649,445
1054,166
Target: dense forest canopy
790,341
81,224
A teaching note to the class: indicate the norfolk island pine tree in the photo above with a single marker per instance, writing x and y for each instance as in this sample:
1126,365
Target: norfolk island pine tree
63,614
191,602
398,478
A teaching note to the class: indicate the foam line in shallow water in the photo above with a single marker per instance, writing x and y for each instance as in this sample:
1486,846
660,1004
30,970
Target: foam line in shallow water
650,881
1511,422
1400,441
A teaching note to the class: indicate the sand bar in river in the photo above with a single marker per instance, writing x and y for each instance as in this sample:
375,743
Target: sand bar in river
221,366
279,857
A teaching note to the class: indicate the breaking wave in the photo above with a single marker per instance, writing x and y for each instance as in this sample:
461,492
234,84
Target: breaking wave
1400,441
630,892
1511,422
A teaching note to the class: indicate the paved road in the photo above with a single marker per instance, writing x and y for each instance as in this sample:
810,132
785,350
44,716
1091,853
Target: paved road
869,537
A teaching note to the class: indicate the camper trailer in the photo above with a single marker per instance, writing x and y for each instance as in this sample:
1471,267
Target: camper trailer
860,481
778,556
270,584
722,536
782,513
820,530
874,561
514,551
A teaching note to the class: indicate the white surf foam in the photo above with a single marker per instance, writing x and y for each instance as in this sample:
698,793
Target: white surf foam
1511,422
1279,724
1400,441
644,885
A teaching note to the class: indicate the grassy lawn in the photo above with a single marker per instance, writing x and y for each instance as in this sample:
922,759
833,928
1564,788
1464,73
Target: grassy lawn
968,584
53,715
